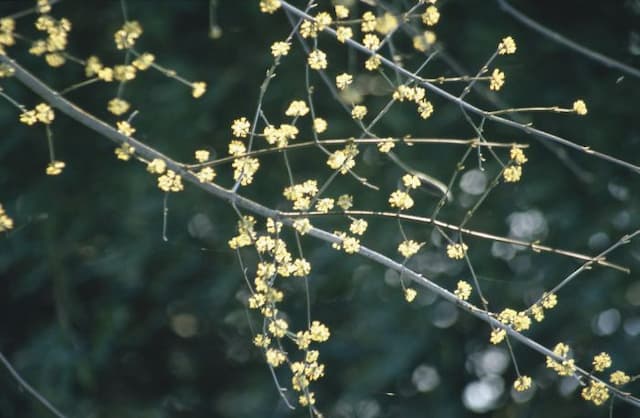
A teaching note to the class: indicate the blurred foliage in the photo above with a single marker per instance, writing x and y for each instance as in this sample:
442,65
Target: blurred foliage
106,319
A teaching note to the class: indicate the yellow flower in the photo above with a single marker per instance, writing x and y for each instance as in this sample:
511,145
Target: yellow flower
269,6
425,108
400,200
55,167
309,29
244,169
106,74
431,16
512,174
463,290
351,245
206,175
261,340
170,182
423,42
549,300
126,36
596,392
118,106
297,108
580,107
497,335
28,117
307,399
6,223
55,60
368,22
157,166
144,61
507,46
302,225
317,60
522,383
345,201
199,88
410,181
125,128
601,361
124,152
319,125
319,332
386,23
280,49
619,378
517,155
240,127
456,251
92,66
386,145
202,155
371,41
44,113
409,247
275,357
323,19
497,80
358,226
343,80
410,294
359,112
278,328
324,205
341,11
343,33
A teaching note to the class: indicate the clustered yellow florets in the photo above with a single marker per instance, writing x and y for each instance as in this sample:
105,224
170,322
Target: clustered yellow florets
301,194
56,42
522,383
580,107
513,172
401,200
6,223
596,392
409,247
567,366
507,46
41,113
170,182
343,160
463,290
456,251
416,95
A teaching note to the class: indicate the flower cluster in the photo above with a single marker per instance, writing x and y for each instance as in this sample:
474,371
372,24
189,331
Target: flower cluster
416,95
513,172
565,368
343,160
55,43
301,194
6,223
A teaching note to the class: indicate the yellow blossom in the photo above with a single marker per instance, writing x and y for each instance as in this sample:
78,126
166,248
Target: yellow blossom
28,117
55,167
144,61
206,175
345,201
261,340
343,80
431,16
126,36
517,155
343,33
201,155
400,200
244,169
302,225
386,145
359,112
507,46
371,41
341,11
368,23
351,245
522,383
240,127
580,107
118,106
317,60
275,357
44,113
309,29
463,290
596,392
198,89
105,74
456,251
319,332
512,173
170,182
297,108
125,128
55,60
410,294
324,205
319,125
601,362
278,328
549,300
386,23
124,152
323,19
6,223
358,226
157,166
280,48
497,335
619,378
269,6
307,399
372,63
409,247
497,80
237,148
425,108
410,181
424,41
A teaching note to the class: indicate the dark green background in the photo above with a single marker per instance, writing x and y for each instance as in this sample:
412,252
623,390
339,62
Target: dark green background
90,291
